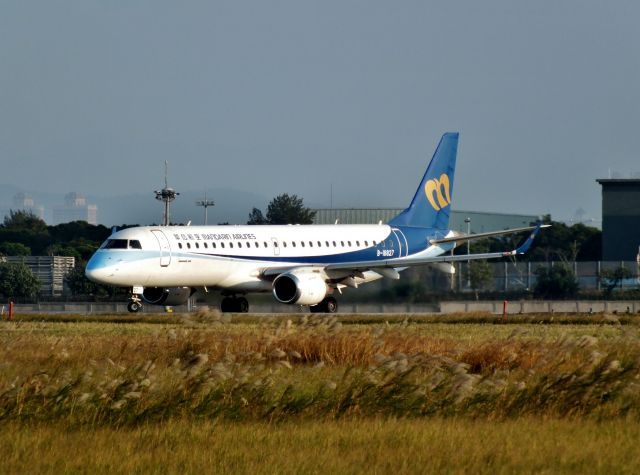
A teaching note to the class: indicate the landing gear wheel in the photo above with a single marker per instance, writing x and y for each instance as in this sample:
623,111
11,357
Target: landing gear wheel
233,304
328,305
134,307
226,305
331,305
242,305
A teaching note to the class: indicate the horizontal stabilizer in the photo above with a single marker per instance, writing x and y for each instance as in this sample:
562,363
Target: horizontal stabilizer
459,237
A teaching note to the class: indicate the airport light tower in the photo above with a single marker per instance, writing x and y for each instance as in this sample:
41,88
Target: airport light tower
167,195
205,204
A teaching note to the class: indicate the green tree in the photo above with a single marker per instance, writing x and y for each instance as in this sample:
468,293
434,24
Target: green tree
480,276
62,250
566,243
27,229
611,278
24,220
14,249
78,284
256,217
283,209
556,282
17,280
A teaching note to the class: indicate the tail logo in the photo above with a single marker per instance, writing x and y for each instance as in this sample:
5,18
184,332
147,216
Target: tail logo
438,188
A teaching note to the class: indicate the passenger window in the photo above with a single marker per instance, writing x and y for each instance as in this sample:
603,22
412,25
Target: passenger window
222,245
349,243
180,245
284,243
265,243
293,243
334,244
358,243
327,243
206,246
319,244
197,246
366,243
302,243
374,243
257,245
231,245
213,244
189,245
310,244
342,243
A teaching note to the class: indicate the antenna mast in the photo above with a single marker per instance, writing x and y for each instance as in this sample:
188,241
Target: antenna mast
167,195
205,204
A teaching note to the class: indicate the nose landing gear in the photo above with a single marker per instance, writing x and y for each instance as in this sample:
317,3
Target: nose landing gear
134,306
135,303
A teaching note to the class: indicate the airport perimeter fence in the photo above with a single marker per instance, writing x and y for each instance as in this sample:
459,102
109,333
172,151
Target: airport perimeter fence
515,276
515,307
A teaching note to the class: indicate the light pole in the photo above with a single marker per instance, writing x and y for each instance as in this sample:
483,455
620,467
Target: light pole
167,195
468,221
205,204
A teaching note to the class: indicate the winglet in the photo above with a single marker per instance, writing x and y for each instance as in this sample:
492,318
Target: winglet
524,247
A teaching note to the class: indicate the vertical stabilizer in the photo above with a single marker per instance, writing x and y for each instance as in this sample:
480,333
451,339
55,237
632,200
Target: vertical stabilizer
431,205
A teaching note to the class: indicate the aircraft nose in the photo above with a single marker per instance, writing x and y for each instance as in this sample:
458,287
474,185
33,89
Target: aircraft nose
98,270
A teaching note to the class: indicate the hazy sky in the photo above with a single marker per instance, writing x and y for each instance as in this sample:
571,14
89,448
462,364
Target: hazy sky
293,96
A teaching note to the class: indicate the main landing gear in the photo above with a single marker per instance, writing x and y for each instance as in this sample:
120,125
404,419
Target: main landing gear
234,304
328,305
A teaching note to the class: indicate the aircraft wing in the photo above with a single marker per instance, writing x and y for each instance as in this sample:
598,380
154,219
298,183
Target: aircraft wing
415,261
387,267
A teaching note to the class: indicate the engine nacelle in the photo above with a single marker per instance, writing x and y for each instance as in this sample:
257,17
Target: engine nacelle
302,288
169,296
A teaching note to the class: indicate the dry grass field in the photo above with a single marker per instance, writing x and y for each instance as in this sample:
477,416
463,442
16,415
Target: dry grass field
292,394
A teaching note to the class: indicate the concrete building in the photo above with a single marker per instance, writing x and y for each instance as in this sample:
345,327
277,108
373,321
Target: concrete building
479,221
75,208
50,270
620,219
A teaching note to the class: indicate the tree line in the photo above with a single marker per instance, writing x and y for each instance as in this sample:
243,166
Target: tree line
24,234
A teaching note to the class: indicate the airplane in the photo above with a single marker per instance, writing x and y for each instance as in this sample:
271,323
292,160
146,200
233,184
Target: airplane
300,264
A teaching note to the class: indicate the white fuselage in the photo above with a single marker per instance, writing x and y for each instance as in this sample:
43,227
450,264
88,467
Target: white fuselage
236,257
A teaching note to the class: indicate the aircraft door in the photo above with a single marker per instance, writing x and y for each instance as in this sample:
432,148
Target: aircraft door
165,249
403,245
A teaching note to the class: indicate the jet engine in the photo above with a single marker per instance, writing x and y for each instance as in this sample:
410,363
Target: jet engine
167,296
302,288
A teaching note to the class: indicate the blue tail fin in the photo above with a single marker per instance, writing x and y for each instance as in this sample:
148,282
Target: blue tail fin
431,204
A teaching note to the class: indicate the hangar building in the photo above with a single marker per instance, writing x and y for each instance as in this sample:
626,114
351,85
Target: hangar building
479,222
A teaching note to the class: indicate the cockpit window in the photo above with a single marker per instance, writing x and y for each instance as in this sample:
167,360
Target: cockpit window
122,244
116,244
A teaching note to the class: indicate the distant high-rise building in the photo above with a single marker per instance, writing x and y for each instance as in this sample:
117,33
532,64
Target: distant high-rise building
24,202
75,208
